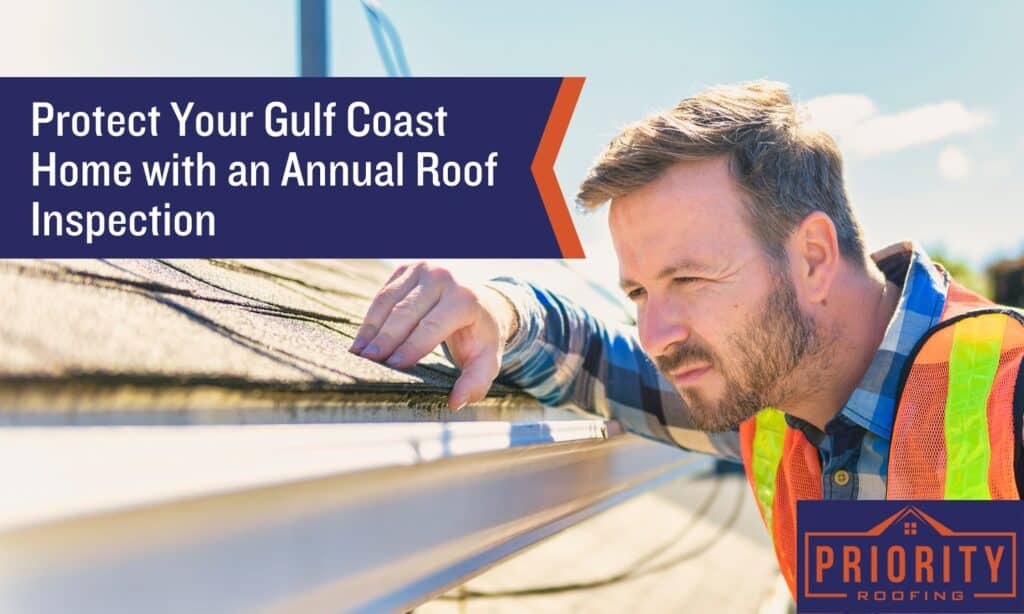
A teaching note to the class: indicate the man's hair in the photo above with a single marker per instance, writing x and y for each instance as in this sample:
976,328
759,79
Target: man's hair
787,169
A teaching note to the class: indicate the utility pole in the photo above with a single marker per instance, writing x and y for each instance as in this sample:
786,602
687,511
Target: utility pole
313,38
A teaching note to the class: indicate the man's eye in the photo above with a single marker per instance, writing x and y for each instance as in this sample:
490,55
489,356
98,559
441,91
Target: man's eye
636,293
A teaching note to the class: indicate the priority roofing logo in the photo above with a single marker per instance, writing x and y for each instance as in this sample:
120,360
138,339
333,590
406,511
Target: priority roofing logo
909,556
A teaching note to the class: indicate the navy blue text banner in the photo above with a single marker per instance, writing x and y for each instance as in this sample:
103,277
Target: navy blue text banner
285,167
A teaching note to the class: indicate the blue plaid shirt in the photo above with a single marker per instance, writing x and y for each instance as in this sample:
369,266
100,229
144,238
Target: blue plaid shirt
564,356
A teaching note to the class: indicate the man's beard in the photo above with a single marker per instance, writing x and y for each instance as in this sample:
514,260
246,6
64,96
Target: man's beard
775,341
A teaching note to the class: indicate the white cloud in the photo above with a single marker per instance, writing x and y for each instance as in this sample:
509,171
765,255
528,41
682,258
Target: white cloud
839,113
953,163
862,131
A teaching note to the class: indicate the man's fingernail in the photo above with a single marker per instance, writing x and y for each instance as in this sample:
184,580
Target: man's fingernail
395,359
357,344
371,351
456,404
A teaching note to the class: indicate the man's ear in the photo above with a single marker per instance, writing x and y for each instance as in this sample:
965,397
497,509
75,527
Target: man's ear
814,252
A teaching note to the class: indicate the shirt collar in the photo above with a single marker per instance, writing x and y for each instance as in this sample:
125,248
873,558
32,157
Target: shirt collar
923,295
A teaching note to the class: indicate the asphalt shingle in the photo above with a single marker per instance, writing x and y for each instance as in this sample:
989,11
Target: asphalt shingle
202,334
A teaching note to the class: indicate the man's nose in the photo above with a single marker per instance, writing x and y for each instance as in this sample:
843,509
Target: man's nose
660,325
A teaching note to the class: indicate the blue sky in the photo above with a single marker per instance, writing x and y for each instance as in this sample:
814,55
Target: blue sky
925,97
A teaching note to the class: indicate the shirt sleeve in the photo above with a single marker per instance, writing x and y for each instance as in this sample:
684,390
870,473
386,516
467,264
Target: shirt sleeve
562,355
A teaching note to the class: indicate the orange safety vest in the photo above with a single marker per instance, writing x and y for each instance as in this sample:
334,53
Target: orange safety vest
953,437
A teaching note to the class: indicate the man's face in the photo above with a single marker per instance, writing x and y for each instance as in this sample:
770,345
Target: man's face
720,318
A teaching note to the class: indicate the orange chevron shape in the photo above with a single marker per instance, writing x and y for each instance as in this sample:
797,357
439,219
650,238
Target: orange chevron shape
543,167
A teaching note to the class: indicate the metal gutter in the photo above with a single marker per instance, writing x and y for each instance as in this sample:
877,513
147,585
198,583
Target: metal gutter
326,517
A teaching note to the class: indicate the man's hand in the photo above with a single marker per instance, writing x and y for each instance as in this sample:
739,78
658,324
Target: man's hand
423,305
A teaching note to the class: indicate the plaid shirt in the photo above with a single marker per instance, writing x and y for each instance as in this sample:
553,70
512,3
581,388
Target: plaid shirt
562,355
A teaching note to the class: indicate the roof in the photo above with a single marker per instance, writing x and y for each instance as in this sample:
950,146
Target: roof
173,341
204,384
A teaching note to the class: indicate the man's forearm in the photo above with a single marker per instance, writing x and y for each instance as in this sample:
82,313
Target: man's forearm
504,309
561,354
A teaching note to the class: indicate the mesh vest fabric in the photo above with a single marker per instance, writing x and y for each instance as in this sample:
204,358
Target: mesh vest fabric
953,435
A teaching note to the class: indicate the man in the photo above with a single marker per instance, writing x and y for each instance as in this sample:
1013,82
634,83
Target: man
775,340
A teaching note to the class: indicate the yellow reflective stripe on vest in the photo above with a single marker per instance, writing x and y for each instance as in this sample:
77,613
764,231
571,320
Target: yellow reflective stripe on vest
769,435
973,360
